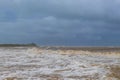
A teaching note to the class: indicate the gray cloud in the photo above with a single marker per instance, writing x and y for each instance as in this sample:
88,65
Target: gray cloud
63,22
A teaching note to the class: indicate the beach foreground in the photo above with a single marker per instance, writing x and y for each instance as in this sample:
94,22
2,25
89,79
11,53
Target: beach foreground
33,63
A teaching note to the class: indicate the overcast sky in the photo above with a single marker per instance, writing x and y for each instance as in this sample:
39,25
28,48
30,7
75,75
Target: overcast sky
60,22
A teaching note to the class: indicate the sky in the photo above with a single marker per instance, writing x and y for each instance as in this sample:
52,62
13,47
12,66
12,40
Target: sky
60,22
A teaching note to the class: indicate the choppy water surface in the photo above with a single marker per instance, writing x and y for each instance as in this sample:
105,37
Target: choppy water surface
24,64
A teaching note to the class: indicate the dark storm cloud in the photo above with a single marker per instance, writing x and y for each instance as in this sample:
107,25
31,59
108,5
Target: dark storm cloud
63,22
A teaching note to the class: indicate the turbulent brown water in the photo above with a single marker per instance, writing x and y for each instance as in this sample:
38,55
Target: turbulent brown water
24,63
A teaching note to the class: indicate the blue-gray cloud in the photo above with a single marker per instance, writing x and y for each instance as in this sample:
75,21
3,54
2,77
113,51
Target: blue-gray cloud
63,22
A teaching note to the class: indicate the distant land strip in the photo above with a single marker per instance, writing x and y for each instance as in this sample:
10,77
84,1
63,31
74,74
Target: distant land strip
18,45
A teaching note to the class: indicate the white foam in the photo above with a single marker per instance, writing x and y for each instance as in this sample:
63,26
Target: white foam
25,64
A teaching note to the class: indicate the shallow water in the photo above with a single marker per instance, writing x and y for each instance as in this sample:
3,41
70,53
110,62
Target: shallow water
24,64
